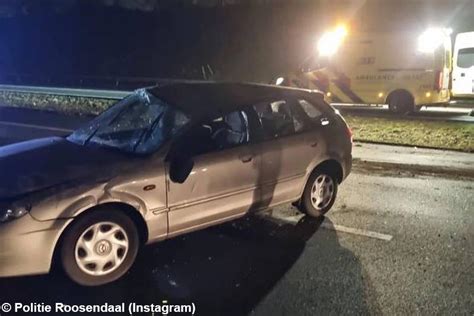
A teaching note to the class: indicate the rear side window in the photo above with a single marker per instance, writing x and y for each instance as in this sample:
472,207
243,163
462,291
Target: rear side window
310,109
466,57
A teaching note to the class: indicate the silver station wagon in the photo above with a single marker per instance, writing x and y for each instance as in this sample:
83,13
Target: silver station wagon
162,162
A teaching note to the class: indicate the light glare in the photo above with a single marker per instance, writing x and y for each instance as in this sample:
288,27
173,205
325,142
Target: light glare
431,39
331,41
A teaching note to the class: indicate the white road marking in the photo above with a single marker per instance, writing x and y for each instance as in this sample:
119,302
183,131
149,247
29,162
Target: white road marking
339,228
357,231
56,129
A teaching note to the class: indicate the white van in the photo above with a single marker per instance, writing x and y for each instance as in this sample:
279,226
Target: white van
463,66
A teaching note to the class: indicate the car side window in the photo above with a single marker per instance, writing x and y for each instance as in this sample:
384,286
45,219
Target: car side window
220,133
309,112
230,130
276,119
282,118
310,109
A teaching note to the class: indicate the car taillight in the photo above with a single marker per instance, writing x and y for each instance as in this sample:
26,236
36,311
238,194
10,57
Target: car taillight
438,84
350,134
348,129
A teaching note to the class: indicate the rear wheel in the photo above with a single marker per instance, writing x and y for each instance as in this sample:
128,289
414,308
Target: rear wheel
319,194
401,102
99,247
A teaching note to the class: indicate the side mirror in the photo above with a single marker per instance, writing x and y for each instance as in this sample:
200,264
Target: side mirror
180,169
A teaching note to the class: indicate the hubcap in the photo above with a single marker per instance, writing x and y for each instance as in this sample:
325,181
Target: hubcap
322,191
101,248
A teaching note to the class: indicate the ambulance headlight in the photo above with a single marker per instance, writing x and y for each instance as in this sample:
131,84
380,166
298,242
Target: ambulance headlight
431,39
330,42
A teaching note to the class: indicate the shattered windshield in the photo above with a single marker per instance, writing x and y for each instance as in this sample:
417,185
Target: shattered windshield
140,123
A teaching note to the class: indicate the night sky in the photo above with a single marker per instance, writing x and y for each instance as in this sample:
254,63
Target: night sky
239,40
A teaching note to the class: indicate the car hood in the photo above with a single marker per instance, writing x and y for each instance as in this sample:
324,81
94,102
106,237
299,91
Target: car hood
43,163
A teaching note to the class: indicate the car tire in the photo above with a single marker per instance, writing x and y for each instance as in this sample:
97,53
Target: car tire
401,102
319,193
99,247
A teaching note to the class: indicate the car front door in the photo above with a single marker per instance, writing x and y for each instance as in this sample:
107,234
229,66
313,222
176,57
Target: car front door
222,184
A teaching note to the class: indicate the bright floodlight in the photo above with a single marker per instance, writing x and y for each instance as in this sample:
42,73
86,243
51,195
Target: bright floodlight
279,81
330,42
431,39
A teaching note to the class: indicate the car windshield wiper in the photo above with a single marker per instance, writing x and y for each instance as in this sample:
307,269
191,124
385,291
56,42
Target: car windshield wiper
146,132
86,141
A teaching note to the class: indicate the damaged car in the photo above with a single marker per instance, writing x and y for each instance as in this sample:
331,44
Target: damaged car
162,162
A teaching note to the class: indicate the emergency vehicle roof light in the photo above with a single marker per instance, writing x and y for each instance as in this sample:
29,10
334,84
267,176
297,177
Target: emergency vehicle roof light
330,42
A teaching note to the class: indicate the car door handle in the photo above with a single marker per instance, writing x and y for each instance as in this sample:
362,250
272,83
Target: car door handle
246,159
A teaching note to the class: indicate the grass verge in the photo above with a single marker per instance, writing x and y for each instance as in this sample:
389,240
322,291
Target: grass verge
435,134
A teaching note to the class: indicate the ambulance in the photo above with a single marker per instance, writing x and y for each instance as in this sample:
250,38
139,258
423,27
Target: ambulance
405,70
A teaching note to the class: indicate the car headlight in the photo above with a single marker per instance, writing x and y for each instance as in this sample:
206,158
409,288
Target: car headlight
10,213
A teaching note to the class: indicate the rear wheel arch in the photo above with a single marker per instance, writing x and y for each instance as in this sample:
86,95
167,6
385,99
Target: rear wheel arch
401,94
332,166
392,93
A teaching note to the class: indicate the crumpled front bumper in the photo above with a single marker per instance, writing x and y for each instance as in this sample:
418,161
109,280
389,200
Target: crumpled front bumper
27,245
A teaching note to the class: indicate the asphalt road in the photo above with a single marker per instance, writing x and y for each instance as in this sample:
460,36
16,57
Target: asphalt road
17,124
391,245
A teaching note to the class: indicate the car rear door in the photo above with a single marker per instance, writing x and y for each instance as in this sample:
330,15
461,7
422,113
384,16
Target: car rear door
290,144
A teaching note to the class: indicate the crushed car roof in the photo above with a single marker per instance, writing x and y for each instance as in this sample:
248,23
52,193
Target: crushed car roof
200,98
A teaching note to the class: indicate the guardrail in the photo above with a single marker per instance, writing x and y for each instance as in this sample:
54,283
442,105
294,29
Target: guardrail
87,93
119,83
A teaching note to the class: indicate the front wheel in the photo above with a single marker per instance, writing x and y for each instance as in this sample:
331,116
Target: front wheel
99,247
319,194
